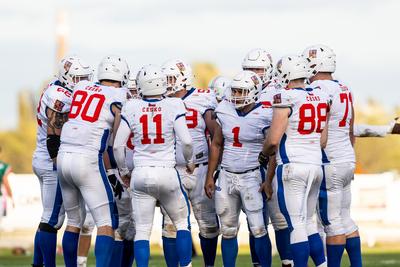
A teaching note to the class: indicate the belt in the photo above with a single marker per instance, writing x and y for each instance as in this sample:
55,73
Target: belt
200,164
251,170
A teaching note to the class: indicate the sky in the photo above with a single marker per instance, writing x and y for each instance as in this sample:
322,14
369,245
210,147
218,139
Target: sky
363,34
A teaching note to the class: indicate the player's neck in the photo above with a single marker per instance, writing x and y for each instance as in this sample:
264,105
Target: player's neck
298,83
152,97
322,76
180,93
247,108
111,83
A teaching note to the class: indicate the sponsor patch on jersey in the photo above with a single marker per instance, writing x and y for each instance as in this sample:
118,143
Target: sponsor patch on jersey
58,105
277,99
266,104
312,53
199,155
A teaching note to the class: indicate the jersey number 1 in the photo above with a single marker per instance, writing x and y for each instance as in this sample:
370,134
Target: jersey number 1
236,142
144,120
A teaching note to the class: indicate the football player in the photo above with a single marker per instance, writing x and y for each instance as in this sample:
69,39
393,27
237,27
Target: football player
199,104
260,61
297,133
338,158
156,123
242,125
84,167
132,87
220,85
52,113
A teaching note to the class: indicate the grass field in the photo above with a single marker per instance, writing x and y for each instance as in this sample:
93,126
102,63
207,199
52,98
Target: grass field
382,256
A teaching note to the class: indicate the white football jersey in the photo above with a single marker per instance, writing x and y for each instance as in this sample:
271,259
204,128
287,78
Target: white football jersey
197,103
91,118
301,141
267,94
57,98
152,123
338,148
243,135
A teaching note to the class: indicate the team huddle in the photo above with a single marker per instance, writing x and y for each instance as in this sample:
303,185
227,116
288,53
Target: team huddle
275,142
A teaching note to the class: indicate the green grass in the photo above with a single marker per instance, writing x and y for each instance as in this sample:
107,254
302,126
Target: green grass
383,256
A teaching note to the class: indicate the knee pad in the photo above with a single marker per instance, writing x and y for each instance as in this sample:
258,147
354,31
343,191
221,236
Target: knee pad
143,232
258,231
229,232
45,227
209,231
312,227
169,230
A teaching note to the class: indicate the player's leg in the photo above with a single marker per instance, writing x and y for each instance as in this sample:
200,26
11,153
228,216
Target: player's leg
314,239
123,234
37,251
282,233
174,199
330,208
227,206
52,217
292,193
85,238
72,203
143,205
206,216
169,240
253,203
353,243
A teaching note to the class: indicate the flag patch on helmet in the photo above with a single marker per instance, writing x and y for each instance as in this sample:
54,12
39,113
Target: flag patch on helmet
67,65
255,80
180,66
312,53
58,105
277,99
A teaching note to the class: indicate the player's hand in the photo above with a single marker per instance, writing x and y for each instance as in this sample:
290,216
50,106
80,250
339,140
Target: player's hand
263,159
115,184
190,168
126,179
267,188
209,187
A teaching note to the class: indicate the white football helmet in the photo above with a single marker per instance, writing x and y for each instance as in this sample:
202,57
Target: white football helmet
72,69
179,75
151,81
321,59
245,88
290,68
132,87
113,68
219,85
259,61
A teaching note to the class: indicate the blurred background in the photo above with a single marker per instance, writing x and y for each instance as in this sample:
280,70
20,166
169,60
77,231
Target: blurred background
213,36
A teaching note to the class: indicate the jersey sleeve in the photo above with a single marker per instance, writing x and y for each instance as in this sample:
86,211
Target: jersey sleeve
283,99
127,114
179,108
58,99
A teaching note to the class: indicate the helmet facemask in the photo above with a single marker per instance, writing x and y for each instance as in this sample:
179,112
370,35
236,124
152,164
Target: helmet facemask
242,97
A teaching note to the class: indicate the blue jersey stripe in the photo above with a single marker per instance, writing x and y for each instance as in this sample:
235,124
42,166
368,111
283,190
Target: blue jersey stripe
282,149
281,197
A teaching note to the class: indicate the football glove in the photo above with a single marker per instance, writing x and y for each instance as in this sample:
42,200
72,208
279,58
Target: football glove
115,183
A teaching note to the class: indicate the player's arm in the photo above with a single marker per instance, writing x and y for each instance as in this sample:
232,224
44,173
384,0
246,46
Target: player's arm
324,133
122,135
116,109
210,120
280,120
351,132
55,123
183,134
214,156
